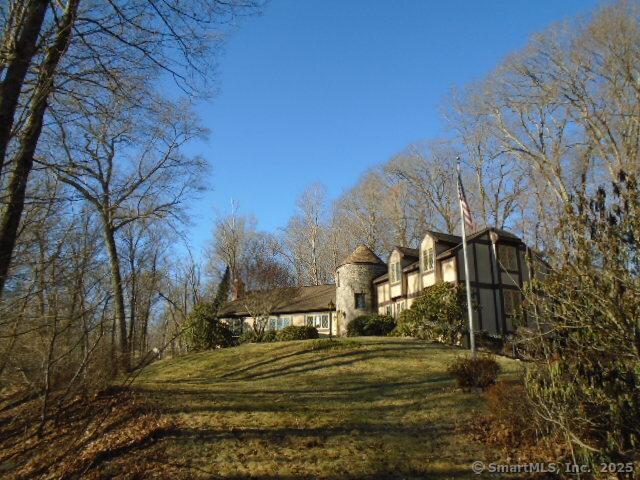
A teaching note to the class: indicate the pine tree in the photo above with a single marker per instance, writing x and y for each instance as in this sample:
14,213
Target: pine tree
205,331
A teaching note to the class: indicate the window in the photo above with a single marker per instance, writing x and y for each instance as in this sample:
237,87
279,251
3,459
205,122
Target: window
428,259
511,301
360,300
279,323
389,310
507,258
235,324
337,279
401,306
318,321
396,272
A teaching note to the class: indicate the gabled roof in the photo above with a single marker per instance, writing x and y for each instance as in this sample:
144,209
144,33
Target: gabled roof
445,237
412,266
502,235
408,252
294,300
363,254
409,268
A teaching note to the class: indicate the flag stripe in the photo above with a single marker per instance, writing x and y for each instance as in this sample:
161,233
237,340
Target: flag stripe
466,211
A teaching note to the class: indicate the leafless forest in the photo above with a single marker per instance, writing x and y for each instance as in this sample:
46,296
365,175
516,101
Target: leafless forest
94,179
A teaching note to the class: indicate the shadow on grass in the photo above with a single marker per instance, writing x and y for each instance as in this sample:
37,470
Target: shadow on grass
316,362
355,399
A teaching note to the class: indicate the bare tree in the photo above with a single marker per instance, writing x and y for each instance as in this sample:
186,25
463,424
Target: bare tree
305,238
59,53
268,281
430,175
500,182
232,233
360,208
129,170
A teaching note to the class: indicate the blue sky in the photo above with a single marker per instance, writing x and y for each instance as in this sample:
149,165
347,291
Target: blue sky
322,90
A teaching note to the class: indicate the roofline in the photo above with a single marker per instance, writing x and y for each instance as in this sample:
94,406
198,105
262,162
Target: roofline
278,312
412,266
360,263
439,237
382,278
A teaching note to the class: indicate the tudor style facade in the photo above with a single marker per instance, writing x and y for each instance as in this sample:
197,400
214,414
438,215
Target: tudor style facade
364,284
498,269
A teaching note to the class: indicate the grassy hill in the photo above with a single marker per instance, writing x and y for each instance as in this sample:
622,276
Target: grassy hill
374,407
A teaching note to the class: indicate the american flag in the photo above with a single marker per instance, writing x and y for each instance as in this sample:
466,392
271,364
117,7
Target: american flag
466,211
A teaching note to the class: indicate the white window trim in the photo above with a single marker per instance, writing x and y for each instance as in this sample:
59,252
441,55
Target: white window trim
431,254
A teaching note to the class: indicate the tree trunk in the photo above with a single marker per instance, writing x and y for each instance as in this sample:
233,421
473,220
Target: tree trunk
133,304
11,86
118,293
10,220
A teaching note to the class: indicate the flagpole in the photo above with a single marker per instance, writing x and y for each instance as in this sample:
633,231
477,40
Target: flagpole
472,340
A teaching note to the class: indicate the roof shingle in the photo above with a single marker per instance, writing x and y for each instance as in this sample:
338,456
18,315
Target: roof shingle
363,254
298,300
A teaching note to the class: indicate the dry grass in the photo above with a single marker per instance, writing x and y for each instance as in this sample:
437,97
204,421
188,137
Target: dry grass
374,407
81,439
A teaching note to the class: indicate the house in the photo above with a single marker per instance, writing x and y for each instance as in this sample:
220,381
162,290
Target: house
499,266
308,305
498,269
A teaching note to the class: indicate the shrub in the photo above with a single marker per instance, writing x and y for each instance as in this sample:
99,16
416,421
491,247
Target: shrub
371,325
205,331
480,372
356,327
269,336
584,369
380,325
292,332
510,413
250,336
436,315
247,336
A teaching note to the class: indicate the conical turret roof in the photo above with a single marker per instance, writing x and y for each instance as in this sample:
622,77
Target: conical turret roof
363,254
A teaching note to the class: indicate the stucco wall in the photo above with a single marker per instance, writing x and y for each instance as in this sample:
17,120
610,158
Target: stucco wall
413,282
449,270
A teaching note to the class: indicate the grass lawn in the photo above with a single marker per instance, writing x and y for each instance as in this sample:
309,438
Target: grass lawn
367,407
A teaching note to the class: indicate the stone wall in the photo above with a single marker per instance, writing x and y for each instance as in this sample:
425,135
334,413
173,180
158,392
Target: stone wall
356,278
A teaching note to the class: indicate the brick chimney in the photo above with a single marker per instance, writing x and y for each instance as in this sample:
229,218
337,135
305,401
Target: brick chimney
237,290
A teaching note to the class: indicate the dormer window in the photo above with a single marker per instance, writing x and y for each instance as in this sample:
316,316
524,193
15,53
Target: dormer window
396,272
428,259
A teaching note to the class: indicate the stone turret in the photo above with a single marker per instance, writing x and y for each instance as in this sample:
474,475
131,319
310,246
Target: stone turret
354,283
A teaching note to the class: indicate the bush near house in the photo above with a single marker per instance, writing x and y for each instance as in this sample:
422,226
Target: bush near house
436,315
204,329
371,325
480,372
250,336
292,332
